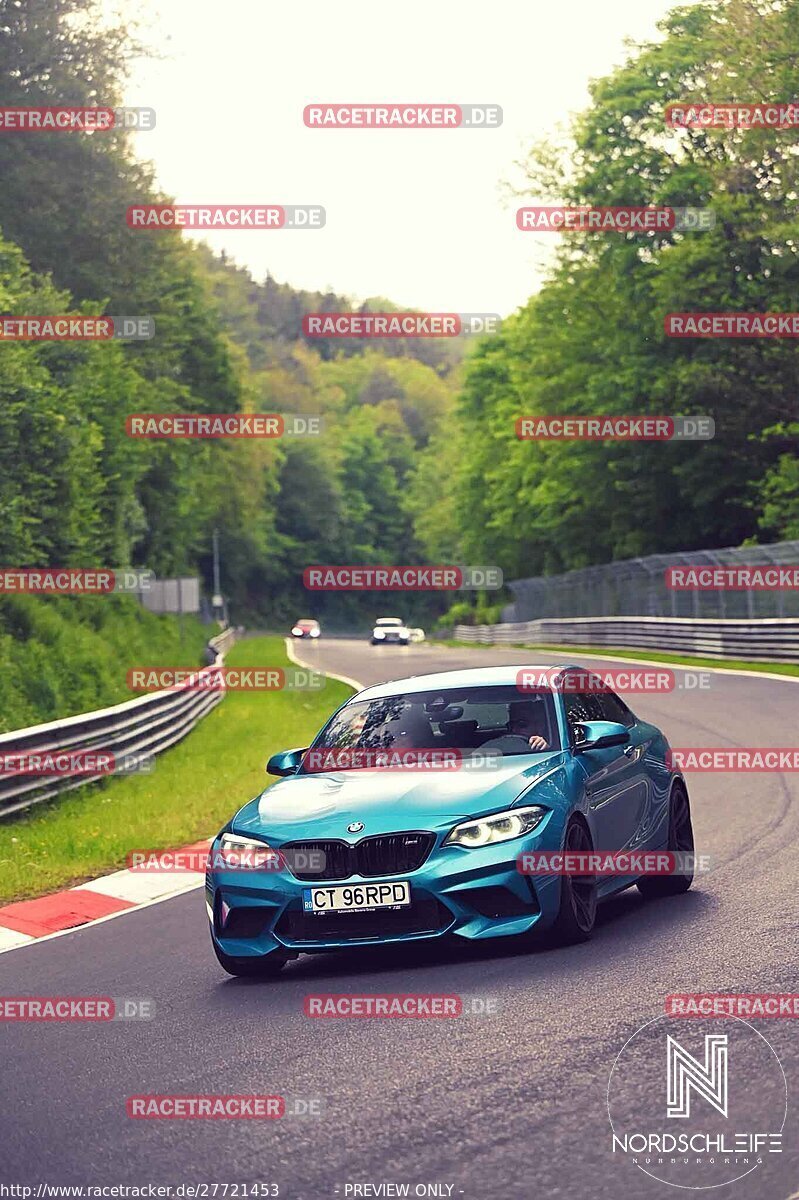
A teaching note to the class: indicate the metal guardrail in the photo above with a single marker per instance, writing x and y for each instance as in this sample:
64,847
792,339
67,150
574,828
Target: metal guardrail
768,640
638,586
146,725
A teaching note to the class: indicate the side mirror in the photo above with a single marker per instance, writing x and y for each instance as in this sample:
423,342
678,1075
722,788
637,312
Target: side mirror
596,735
285,762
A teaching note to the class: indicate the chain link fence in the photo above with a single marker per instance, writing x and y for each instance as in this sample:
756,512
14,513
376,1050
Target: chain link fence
637,587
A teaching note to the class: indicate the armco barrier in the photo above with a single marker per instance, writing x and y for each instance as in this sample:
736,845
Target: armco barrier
146,725
768,640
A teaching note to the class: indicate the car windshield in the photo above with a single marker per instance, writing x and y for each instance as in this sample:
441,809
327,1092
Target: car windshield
464,718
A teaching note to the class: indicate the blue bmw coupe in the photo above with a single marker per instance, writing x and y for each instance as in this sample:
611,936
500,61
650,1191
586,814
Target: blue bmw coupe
344,851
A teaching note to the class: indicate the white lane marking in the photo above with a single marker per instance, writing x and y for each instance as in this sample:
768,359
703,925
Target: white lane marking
10,939
139,886
645,662
315,667
123,912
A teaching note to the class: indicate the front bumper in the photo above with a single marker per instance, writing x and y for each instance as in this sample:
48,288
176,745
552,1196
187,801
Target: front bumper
473,894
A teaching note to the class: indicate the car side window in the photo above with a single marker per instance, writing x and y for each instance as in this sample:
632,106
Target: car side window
614,709
582,706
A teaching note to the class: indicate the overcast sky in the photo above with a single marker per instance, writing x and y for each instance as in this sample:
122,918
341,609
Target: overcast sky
420,217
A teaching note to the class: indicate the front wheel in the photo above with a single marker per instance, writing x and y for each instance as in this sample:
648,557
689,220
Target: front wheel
681,841
578,894
264,966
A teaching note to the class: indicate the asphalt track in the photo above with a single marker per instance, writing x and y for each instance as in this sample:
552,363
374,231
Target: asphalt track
497,1108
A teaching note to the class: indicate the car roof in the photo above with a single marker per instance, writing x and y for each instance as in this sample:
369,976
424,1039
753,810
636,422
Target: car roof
385,620
470,677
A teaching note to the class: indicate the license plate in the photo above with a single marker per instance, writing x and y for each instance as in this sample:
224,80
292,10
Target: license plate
356,898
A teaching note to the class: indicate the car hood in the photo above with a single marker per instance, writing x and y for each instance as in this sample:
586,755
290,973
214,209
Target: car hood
322,805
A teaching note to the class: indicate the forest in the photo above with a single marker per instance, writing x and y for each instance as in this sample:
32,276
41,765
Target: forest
419,461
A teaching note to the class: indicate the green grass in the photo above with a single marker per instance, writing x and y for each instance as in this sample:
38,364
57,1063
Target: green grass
736,664
63,655
194,788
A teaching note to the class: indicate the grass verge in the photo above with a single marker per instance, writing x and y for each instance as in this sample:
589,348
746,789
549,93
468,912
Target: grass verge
193,790
732,664
64,655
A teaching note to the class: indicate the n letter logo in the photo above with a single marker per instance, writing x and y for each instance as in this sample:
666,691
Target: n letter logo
684,1072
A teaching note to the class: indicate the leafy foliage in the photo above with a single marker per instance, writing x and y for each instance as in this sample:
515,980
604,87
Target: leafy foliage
592,341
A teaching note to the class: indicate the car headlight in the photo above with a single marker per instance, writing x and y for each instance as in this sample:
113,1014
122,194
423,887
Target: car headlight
314,633
237,852
378,633
296,631
500,827
405,633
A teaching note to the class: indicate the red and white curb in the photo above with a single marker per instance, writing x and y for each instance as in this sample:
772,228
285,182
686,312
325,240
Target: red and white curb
27,921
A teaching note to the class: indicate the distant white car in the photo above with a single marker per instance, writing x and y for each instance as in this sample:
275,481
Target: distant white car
390,631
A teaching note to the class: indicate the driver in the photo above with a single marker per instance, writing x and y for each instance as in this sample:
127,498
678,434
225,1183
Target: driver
526,719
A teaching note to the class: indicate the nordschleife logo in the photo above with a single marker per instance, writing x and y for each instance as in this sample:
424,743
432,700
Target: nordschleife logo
700,1111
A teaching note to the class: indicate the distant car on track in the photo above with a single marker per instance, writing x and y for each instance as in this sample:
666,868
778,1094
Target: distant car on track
346,856
306,628
388,631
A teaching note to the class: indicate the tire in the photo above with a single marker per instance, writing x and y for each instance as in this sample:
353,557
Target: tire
681,839
266,966
578,894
